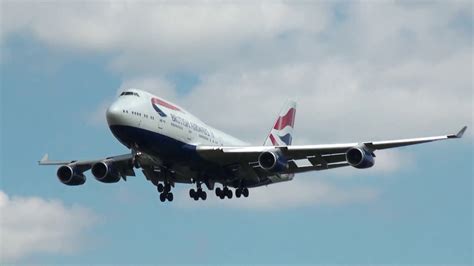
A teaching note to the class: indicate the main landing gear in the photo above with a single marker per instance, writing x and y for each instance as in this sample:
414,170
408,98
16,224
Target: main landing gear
242,192
198,193
225,192
165,192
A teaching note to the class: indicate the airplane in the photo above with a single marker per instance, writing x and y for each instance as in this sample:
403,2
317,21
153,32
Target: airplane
170,146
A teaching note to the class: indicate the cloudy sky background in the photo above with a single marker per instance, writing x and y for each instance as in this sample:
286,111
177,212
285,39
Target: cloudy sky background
360,71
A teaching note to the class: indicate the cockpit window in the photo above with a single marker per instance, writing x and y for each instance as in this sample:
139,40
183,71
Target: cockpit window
129,93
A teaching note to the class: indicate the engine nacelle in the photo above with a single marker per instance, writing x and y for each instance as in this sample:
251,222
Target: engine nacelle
70,175
105,172
272,161
360,158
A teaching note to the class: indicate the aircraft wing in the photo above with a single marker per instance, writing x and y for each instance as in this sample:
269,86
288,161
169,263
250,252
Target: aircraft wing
123,162
321,157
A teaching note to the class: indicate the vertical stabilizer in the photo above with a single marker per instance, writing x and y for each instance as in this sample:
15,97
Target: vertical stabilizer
282,131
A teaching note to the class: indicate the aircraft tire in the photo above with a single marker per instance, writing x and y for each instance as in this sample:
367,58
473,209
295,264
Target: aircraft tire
192,193
162,197
169,196
160,187
245,192
238,193
203,195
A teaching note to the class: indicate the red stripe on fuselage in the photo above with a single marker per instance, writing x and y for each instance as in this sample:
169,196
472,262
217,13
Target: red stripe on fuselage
165,104
286,120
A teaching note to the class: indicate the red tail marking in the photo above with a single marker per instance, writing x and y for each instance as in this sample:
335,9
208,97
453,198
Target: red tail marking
273,140
286,120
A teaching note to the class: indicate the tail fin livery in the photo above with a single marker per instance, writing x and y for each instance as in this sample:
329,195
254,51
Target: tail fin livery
282,131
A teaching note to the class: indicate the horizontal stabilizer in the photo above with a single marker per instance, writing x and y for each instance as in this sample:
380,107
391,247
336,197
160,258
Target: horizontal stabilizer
44,159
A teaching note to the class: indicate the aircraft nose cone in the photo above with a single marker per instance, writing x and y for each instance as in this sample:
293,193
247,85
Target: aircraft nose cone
114,114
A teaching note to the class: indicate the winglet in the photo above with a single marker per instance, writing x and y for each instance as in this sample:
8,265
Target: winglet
459,134
44,159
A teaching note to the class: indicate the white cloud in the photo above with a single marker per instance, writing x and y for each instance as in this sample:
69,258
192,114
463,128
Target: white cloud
301,192
389,161
157,85
32,225
360,70
96,117
151,36
338,101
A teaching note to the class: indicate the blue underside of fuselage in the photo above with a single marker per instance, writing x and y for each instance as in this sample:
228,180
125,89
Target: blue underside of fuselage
169,150
155,143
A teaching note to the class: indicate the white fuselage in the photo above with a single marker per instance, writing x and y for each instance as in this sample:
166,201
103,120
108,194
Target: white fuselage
138,118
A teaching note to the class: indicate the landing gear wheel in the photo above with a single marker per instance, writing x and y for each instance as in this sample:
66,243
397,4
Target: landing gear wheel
218,191
169,196
238,193
203,195
160,187
245,192
162,197
192,193
229,193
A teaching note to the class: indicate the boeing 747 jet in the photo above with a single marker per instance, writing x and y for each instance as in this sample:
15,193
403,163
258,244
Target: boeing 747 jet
172,146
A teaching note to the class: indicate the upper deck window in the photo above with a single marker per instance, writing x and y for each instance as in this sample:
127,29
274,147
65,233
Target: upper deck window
129,93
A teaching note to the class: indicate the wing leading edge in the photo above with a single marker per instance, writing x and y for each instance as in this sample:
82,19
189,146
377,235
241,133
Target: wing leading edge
123,162
321,157
380,145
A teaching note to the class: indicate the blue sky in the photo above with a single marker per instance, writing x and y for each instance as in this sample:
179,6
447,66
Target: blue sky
359,72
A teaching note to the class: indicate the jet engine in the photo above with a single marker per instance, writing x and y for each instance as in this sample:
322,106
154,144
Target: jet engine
70,175
360,158
272,161
105,172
